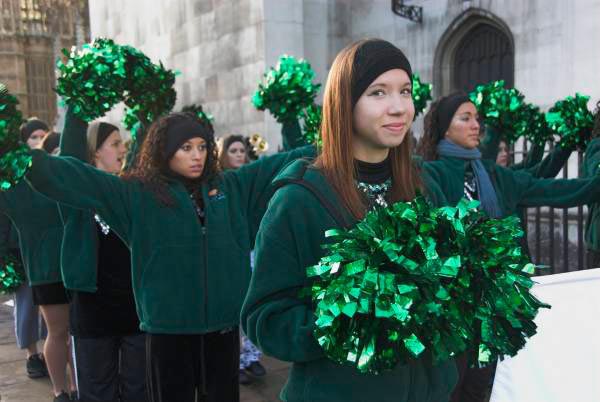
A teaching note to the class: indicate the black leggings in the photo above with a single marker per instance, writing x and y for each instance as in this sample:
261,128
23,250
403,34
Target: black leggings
193,368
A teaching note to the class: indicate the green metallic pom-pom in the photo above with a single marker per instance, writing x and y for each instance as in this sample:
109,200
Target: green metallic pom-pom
411,279
15,159
571,119
421,94
103,73
286,89
500,107
311,129
532,125
199,112
12,275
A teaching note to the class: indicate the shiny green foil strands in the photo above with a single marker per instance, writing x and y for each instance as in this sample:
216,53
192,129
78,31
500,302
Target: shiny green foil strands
10,117
411,280
286,89
100,75
572,121
311,129
199,111
500,107
12,274
532,125
14,156
421,94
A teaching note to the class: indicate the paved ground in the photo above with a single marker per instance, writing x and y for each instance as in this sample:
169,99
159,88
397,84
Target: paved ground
15,386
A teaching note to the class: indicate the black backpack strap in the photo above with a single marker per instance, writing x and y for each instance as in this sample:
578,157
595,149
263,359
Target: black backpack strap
335,213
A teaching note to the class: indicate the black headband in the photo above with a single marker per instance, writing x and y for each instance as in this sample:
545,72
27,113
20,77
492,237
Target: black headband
182,130
373,58
104,130
30,127
446,109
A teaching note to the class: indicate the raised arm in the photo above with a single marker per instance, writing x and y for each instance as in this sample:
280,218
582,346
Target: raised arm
291,134
534,156
274,316
73,140
551,164
253,182
77,184
490,143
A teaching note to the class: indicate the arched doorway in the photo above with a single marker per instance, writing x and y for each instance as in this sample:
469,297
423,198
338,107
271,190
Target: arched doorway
484,54
476,48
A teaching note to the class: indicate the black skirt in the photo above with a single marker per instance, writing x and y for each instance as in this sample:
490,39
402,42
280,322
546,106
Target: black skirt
49,293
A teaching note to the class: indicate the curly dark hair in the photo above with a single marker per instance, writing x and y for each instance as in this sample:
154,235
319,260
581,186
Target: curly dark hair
596,129
427,146
151,166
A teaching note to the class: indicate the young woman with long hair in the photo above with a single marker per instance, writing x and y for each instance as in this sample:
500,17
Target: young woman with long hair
109,348
450,154
40,231
365,162
189,228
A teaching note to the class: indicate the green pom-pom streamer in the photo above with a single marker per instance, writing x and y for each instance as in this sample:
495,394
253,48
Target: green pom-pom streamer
199,112
103,73
421,93
311,129
286,89
11,274
572,121
411,279
500,107
14,156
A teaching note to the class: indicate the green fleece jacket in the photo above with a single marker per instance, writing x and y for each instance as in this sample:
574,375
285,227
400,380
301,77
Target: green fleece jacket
590,167
187,277
514,188
39,227
281,323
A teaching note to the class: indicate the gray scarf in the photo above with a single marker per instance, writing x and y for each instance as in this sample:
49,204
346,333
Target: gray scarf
487,193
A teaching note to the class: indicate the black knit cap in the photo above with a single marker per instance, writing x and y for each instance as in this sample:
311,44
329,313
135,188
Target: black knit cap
182,130
30,126
446,108
373,58
104,130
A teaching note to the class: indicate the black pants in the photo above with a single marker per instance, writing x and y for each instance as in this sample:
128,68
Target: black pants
191,368
473,384
111,368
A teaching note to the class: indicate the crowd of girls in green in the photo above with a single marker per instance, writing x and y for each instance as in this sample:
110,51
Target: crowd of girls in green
156,258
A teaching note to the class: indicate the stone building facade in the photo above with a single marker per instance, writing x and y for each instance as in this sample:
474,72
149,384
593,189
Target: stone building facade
32,33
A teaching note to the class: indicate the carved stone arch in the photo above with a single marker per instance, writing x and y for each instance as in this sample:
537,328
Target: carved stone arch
477,47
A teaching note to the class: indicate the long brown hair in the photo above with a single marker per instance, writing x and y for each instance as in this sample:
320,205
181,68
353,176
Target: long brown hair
227,142
596,127
427,147
152,166
336,160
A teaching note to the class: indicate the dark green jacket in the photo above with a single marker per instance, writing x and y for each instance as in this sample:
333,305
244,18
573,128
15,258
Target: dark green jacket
281,323
591,162
187,278
514,188
40,230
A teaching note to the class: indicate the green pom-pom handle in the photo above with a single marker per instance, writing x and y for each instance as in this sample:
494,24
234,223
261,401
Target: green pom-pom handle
421,94
411,279
287,89
571,119
12,275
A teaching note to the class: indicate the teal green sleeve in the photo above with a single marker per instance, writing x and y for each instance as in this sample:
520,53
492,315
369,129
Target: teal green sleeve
490,143
274,316
74,183
5,228
558,193
291,134
253,182
73,140
591,159
534,156
551,164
